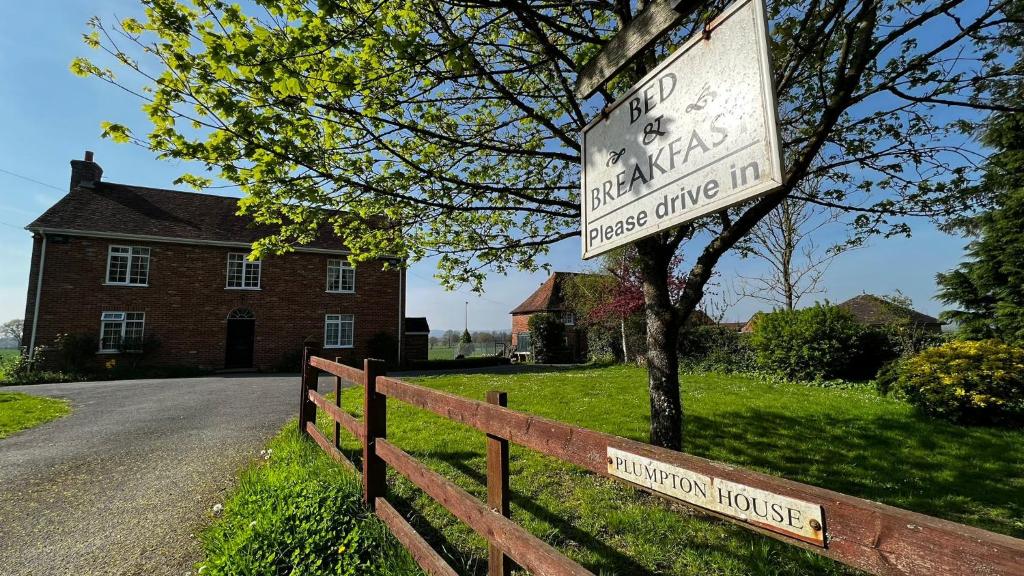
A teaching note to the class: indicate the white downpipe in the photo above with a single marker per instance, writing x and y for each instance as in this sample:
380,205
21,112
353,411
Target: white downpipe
401,312
39,290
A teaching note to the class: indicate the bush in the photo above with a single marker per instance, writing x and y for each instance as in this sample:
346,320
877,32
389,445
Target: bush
383,346
300,513
968,382
17,370
818,343
716,348
289,362
548,336
75,352
604,344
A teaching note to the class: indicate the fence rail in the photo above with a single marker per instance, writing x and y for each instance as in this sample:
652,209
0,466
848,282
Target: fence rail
874,537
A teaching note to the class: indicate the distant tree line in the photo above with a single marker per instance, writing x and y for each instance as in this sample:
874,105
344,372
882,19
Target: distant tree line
450,338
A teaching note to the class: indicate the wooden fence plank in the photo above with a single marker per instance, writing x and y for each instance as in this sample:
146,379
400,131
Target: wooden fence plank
868,535
530,552
429,560
324,443
339,416
375,426
497,488
353,375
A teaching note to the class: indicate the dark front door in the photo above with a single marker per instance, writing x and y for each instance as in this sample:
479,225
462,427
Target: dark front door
241,339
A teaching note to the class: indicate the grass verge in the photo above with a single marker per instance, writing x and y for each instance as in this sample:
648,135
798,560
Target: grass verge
850,440
297,512
20,411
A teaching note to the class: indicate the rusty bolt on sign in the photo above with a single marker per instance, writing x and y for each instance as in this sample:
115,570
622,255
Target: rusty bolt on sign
815,525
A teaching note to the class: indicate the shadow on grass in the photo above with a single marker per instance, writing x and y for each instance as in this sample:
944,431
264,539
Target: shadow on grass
968,475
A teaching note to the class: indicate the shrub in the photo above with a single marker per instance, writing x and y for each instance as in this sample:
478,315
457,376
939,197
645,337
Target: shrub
818,343
75,352
548,336
289,362
383,346
716,348
968,382
17,370
299,513
604,344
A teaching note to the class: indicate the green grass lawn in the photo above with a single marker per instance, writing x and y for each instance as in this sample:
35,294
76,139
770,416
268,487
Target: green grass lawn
297,512
21,411
852,441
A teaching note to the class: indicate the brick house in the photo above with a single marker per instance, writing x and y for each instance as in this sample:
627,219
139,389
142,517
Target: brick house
548,299
166,274
870,310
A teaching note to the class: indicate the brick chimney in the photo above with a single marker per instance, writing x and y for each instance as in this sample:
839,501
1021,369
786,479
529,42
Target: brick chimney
85,173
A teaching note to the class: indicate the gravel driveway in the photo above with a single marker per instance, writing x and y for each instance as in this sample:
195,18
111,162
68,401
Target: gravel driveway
124,483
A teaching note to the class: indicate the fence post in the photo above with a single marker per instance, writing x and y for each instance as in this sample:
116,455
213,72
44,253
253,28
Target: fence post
337,402
375,426
497,488
310,374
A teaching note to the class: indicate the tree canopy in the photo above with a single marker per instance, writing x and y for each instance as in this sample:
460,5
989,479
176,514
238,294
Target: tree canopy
456,120
988,287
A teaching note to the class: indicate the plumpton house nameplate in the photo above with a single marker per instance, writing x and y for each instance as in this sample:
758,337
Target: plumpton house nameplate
697,135
782,514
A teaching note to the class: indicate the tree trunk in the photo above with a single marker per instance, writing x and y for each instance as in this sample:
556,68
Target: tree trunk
662,341
625,347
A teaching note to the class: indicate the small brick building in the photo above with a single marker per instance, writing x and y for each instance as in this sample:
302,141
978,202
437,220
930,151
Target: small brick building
548,299
165,276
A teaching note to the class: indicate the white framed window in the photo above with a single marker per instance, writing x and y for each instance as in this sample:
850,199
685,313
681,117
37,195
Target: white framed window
128,265
341,276
243,274
122,331
568,318
339,331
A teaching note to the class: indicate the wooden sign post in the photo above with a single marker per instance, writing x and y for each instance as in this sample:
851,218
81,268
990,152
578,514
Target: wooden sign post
649,25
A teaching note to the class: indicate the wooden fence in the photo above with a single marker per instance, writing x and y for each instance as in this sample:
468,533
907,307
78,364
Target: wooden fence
867,535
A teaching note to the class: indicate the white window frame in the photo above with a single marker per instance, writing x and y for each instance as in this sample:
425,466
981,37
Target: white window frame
341,265
111,317
569,318
340,319
246,264
133,253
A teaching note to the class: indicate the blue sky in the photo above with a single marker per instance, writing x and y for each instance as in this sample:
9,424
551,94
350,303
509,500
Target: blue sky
50,116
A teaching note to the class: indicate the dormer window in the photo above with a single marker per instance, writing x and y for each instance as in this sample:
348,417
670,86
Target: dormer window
341,276
243,274
128,265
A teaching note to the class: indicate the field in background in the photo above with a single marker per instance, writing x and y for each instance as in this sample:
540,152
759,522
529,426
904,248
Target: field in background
448,353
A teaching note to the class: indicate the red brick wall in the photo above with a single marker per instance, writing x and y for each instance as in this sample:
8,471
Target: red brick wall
187,305
417,347
576,337
520,323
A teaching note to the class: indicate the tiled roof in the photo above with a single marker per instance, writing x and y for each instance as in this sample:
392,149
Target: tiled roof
874,311
547,298
134,210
